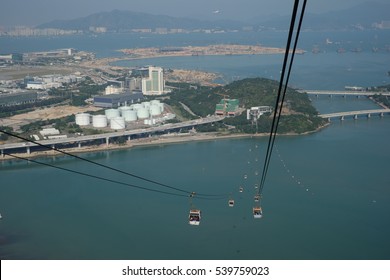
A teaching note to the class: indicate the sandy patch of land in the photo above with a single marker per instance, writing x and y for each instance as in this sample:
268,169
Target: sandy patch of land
44,114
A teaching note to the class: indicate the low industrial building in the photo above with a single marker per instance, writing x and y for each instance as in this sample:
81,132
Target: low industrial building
12,99
117,100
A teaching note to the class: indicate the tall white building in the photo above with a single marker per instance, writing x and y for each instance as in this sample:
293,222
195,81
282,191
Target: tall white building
154,85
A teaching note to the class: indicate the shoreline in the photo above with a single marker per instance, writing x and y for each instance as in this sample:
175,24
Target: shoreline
153,141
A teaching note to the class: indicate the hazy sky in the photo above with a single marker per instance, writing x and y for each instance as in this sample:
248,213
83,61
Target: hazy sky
33,12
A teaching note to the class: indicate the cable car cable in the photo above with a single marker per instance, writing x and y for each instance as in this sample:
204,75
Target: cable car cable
278,109
108,167
286,83
102,178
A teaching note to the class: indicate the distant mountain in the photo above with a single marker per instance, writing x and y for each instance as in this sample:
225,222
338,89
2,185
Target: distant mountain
360,16
125,20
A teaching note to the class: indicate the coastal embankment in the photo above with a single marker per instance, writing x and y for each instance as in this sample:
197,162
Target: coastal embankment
173,138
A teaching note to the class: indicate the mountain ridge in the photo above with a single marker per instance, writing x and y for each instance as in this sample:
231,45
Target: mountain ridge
364,15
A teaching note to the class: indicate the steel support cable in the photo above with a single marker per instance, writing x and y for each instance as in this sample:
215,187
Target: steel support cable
277,110
103,178
286,84
109,167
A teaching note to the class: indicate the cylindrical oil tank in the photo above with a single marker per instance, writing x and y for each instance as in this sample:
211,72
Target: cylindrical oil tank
161,107
99,121
143,113
129,115
146,104
117,123
137,106
123,108
155,110
155,102
83,119
112,113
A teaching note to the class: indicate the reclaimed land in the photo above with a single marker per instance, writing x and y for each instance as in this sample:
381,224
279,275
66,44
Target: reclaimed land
222,49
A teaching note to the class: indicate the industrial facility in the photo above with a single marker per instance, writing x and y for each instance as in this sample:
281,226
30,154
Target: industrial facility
146,113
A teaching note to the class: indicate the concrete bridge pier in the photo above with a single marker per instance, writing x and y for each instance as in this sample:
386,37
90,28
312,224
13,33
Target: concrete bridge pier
79,145
2,152
355,117
368,115
381,115
107,141
28,150
129,138
341,118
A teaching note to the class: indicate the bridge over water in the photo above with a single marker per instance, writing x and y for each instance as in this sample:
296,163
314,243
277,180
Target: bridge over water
355,114
343,93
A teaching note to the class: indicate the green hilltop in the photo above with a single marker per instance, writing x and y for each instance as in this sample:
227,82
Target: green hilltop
298,116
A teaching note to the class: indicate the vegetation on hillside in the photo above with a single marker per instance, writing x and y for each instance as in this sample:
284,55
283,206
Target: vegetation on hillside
299,115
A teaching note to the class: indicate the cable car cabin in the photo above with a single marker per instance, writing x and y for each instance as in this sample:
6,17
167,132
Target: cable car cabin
231,202
241,189
257,212
194,217
257,198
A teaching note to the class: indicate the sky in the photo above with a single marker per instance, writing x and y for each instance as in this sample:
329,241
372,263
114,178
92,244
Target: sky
34,12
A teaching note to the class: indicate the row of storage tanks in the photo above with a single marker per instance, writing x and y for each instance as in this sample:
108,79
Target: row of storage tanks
117,118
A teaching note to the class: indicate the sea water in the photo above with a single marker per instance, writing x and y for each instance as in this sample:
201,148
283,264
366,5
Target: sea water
326,195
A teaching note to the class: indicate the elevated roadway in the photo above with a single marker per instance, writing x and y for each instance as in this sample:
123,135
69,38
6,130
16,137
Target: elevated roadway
107,136
355,114
343,92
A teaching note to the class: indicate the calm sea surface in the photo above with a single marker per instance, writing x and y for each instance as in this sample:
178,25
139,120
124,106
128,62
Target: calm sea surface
327,194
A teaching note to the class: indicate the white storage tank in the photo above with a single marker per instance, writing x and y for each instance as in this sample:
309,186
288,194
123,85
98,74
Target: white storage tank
99,121
129,115
161,105
143,113
112,113
117,123
155,110
137,106
146,104
155,102
83,119
124,108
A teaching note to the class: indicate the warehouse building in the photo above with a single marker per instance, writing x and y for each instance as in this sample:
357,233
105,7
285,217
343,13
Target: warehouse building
117,100
17,98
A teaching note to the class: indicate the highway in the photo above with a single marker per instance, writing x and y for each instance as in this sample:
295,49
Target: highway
355,113
107,136
342,92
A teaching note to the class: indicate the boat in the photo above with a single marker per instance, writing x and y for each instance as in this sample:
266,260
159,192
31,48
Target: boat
231,203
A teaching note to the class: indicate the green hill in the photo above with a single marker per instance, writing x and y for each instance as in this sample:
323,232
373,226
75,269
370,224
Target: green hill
298,116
